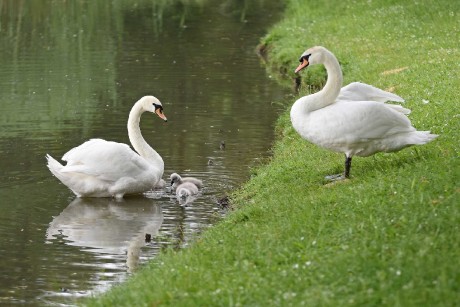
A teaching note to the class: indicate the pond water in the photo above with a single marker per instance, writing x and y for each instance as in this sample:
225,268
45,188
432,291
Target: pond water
71,71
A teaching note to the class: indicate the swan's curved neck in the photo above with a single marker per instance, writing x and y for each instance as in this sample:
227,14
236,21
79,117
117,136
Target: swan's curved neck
330,91
136,138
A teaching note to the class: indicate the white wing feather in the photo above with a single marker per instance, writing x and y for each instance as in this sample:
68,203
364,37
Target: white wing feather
105,160
357,91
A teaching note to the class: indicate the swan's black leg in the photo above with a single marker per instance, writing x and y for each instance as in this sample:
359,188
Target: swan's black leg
346,174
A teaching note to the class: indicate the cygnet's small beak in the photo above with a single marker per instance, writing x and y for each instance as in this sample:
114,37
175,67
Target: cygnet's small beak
302,65
160,114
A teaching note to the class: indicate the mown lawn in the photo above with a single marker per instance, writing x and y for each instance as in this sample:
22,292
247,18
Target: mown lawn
390,235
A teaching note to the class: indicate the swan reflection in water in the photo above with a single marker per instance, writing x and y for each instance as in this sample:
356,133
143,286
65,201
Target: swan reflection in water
108,226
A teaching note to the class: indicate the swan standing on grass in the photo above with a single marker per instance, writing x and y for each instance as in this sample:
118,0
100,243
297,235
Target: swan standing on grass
99,168
354,119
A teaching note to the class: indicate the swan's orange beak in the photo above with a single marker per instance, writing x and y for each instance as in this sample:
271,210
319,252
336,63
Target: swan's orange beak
160,114
302,65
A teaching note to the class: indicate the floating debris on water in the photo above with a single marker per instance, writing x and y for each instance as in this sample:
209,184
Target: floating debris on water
224,202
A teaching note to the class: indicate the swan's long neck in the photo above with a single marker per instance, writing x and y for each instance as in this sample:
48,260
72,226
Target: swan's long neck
330,91
136,138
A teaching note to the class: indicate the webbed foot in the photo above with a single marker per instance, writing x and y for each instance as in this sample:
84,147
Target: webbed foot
335,177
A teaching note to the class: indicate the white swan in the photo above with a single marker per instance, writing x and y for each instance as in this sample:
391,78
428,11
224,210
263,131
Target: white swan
354,119
99,168
176,180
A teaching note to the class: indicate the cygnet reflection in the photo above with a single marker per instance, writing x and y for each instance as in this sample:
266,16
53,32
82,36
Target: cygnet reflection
108,226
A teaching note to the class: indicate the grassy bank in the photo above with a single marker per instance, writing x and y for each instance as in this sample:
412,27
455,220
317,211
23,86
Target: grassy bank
390,235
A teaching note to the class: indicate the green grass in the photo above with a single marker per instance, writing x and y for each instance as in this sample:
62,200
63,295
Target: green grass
390,235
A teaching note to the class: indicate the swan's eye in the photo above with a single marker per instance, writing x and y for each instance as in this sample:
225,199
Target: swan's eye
158,107
304,57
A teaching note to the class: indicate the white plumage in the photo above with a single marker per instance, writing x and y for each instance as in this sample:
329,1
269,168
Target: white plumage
354,119
99,168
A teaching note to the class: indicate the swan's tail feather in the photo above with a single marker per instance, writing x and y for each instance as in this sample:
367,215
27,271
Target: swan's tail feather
56,169
404,140
422,137
53,165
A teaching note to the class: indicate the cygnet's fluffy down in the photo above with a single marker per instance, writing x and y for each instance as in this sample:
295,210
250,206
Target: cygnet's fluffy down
160,185
185,190
177,180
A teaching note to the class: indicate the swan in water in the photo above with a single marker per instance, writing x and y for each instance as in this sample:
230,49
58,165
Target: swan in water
99,168
354,119
176,180
186,189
